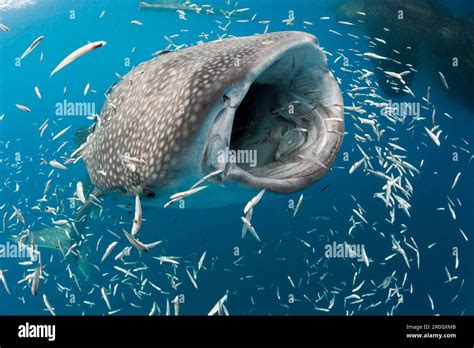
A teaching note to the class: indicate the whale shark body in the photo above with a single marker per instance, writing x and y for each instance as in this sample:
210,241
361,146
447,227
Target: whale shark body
176,115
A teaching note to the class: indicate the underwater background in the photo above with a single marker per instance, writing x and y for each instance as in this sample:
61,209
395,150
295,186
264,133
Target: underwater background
287,273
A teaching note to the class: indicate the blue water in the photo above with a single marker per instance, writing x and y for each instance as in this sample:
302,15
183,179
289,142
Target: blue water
253,283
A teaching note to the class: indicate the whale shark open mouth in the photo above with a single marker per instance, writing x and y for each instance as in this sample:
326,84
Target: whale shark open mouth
281,127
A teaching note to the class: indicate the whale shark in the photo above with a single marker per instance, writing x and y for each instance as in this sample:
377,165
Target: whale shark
187,115
173,117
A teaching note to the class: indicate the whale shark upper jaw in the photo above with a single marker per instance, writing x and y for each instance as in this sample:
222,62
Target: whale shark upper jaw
280,127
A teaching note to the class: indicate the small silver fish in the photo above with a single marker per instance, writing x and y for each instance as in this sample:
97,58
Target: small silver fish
106,298
181,195
137,220
4,27
254,201
443,79
32,47
48,306
56,164
76,54
108,250
139,245
23,108
298,205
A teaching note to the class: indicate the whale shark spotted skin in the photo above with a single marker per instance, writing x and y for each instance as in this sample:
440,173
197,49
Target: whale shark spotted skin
168,120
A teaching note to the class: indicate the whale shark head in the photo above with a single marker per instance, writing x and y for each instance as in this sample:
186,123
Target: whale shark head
263,110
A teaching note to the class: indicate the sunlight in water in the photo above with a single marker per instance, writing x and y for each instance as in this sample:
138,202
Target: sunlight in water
15,4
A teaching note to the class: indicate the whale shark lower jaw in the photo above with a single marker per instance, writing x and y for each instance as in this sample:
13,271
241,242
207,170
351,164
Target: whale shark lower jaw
281,126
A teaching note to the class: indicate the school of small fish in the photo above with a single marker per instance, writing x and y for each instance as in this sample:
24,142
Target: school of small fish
127,280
